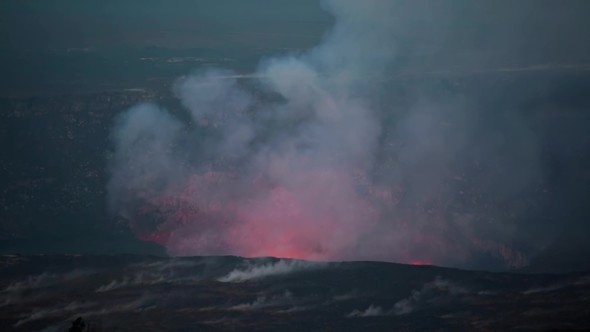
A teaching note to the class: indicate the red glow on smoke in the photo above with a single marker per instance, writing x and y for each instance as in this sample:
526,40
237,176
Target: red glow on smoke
325,215
313,221
317,217
159,237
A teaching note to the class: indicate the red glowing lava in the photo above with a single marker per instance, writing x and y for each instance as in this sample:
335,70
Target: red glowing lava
420,263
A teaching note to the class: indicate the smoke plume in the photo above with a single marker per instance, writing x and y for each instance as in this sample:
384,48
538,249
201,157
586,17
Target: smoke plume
315,158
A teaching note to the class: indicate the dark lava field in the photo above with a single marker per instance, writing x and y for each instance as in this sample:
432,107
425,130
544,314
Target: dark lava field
226,293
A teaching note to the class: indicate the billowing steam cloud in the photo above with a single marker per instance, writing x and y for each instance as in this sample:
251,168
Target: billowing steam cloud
313,159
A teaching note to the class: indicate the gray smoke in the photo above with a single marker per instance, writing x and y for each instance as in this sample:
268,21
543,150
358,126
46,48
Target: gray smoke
361,148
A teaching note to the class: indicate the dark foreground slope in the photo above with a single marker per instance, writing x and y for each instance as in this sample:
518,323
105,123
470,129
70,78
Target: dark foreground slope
135,293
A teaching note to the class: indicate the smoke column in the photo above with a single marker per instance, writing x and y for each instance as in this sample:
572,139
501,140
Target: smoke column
310,161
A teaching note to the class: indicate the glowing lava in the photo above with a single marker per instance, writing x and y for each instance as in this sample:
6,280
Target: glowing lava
420,263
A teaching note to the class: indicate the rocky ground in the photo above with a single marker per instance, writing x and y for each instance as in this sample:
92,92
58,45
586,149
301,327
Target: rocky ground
147,293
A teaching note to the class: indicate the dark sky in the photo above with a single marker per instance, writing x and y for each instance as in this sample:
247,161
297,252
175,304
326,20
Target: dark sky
41,26
482,110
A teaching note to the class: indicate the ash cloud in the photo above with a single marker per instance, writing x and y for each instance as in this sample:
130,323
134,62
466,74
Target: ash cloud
321,155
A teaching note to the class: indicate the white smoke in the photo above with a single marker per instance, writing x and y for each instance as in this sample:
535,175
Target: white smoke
312,159
369,312
45,280
438,287
264,302
142,278
280,267
57,311
558,286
